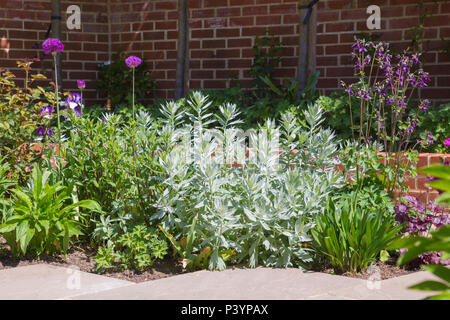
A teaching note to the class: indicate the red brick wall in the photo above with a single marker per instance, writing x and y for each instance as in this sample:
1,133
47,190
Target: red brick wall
417,185
222,35
148,29
338,20
23,25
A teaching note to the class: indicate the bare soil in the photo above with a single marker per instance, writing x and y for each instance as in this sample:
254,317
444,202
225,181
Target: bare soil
83,258
386,270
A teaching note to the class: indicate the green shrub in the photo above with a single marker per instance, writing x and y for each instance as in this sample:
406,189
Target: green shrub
437,122
260,213
136,249
113,161
41,220
19,120
351,233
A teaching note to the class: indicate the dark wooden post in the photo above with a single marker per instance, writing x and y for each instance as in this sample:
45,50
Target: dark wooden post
307,47
182,75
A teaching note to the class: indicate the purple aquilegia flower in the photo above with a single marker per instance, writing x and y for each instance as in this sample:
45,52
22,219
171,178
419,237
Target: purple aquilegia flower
359,46
74,101
133,62
424,105
52,46
77,111
46,112
447,142
41,132
81,84
430,138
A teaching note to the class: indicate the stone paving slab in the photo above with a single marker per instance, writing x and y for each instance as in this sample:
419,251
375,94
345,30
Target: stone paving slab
390,289
50,282
44,282
234,284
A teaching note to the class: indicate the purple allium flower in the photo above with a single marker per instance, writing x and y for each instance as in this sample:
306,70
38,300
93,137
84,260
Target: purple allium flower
133,62
103,120
81,84
46,112
447,142
53,46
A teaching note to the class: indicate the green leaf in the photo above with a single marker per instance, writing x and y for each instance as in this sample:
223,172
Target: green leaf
439,271
384,256
430,286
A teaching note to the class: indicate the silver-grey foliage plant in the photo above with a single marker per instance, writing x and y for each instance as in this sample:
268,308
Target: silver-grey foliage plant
254,205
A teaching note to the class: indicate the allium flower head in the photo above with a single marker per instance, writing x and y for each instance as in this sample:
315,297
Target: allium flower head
447,142
81,84
133,62
52,46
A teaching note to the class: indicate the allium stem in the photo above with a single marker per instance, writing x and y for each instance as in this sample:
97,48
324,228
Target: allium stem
133,93
81,102
57,99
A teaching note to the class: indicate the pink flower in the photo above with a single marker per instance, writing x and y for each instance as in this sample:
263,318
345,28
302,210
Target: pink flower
52,45
81,84
447,142
133,62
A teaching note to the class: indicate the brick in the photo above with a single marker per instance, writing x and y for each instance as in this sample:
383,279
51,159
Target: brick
165,45
246,21
202,33
207,44
256,10
242,42
213,64
228,12
215,3
268,20
225,33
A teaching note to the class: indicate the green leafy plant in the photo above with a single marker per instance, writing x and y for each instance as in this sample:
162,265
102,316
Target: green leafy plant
440,242
436,121
136,249
351,235
41,220
265,61
184,248
20,119
290,91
